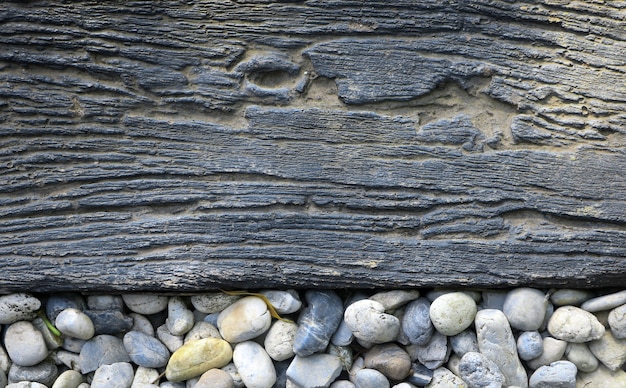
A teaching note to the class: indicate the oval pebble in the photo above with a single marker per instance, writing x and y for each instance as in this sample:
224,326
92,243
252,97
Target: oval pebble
284,302
145,350
572,324
280,339
254,365
147,304
416,322
553,350
75,323
25,344
215,378
370,378
390,360
68,379
479,371
45,373
213,302
581,356
525,308
245,319
464,342
394,299
202,330
18,307
559,374
368,321
196,357
317,370
605,302
452,313
609,350
617,321
564,297
116,375
179,318
102,350
171,341
529,345
317,322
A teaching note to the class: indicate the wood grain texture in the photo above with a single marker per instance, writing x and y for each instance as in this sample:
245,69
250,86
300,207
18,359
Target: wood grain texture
192,145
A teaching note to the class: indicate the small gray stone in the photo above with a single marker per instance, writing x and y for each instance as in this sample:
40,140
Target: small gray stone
145,377
416,322
213,302
605,302
370,378
444,378
406,385
342,384
105,302
145,350
18,307
72,344
571,297
70,359
202,330
317,370
231,369
171,341
581,356
609,350
390,360
59,302
245,319
68,379
394,299
142,324
464,342
493,299
215,378
5,361
26,384
75,323
111,322
525,308
117,375
343,335
280,339
617,321
368,321
146,304
479,371
45,373
317,322
559,374
179,317
529,345
432,355
572,324
553,350
52,340
344,353
452,313
254,365
25,344
4,379
102,350
284,302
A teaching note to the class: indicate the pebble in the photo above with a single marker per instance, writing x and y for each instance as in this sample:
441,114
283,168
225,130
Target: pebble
581,356
145,350
52,340
479,371
254,365
116,375
496,342
370,378
245,319
317,322
559,374
345,354
572,324
75,323
434,354
605,302
452,313
102,350
494,299
617,321
26,384
142,324
196,357
525,308
213,302
389,359
567,296
464,342
392,300
420,375
215,378
416,322
553,350
68,379
280,339
18,307
343,335
145,376
609,350
45,373
284,302
111,322
179,317
444,378
171,341
342,384
201,330
602,377
368,321
105,302
59,302
146,304
529,345
25,344
317,370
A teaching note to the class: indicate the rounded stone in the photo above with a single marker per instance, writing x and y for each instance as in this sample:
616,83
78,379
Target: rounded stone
342,384
343,335
102,350
464,342
444,378
45,373
284,302
27,384
529,345
117,375
581,356
196,357
605,302
370,378
394,299
213,302
479,371
559,374
317,370
416,322
18,307
390,360
145,377
553,350
617,321
525,308
433,354
280,339
145,350
111,322
572,324
566,296
202,330
74,323
105,302
317,322
215,378
179,317
68,379
368,321
146,304
599,378
25,344
142,324
171,341
254,365
609,350
59,302
245,319
452,313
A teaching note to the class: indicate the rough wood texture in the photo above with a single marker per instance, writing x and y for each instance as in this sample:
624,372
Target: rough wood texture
181,146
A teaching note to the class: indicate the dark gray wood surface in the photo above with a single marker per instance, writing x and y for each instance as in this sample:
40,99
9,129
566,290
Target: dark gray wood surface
192,145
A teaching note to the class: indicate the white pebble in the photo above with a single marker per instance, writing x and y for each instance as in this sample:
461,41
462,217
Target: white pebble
25,344
279,340
74,323
145,303
254,365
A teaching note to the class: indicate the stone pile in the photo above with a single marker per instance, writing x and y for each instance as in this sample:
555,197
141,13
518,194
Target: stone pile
522,337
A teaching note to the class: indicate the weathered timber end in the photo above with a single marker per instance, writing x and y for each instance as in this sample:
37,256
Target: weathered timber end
191,145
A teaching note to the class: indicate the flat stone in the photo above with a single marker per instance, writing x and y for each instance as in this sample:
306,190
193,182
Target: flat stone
280,339
196,357
145,303
179,317
145,350
18,307
529,345
605,302
284,302
25,344
434,354
368,321
75,323
317,370
215,378
370,378
553,350
117,375
452,313
171,341
444,378
102,350
559,374
245,319
44,373
602,377
70,359
617,321
464,342
389,359
317,322
254,365
496,342
581,356
416,322
525,308
479,371
609,350
213,302
201,330
565,297
394,299
572,324
68,379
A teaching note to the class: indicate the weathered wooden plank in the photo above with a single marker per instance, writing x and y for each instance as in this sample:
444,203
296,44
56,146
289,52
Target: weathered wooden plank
180,147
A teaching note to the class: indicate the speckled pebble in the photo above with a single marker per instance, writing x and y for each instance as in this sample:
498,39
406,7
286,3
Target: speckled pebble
368,321
444,378
280,339
18,307
479,371
213,302
117,375
572,324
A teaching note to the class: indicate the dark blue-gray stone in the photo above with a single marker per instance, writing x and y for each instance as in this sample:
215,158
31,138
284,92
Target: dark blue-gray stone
102,350
109,321
416,322
464,342
105,302
145,350
318,322
45,373
420,375
59,302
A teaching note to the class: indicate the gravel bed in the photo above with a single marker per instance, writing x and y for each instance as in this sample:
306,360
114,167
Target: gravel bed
520,337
